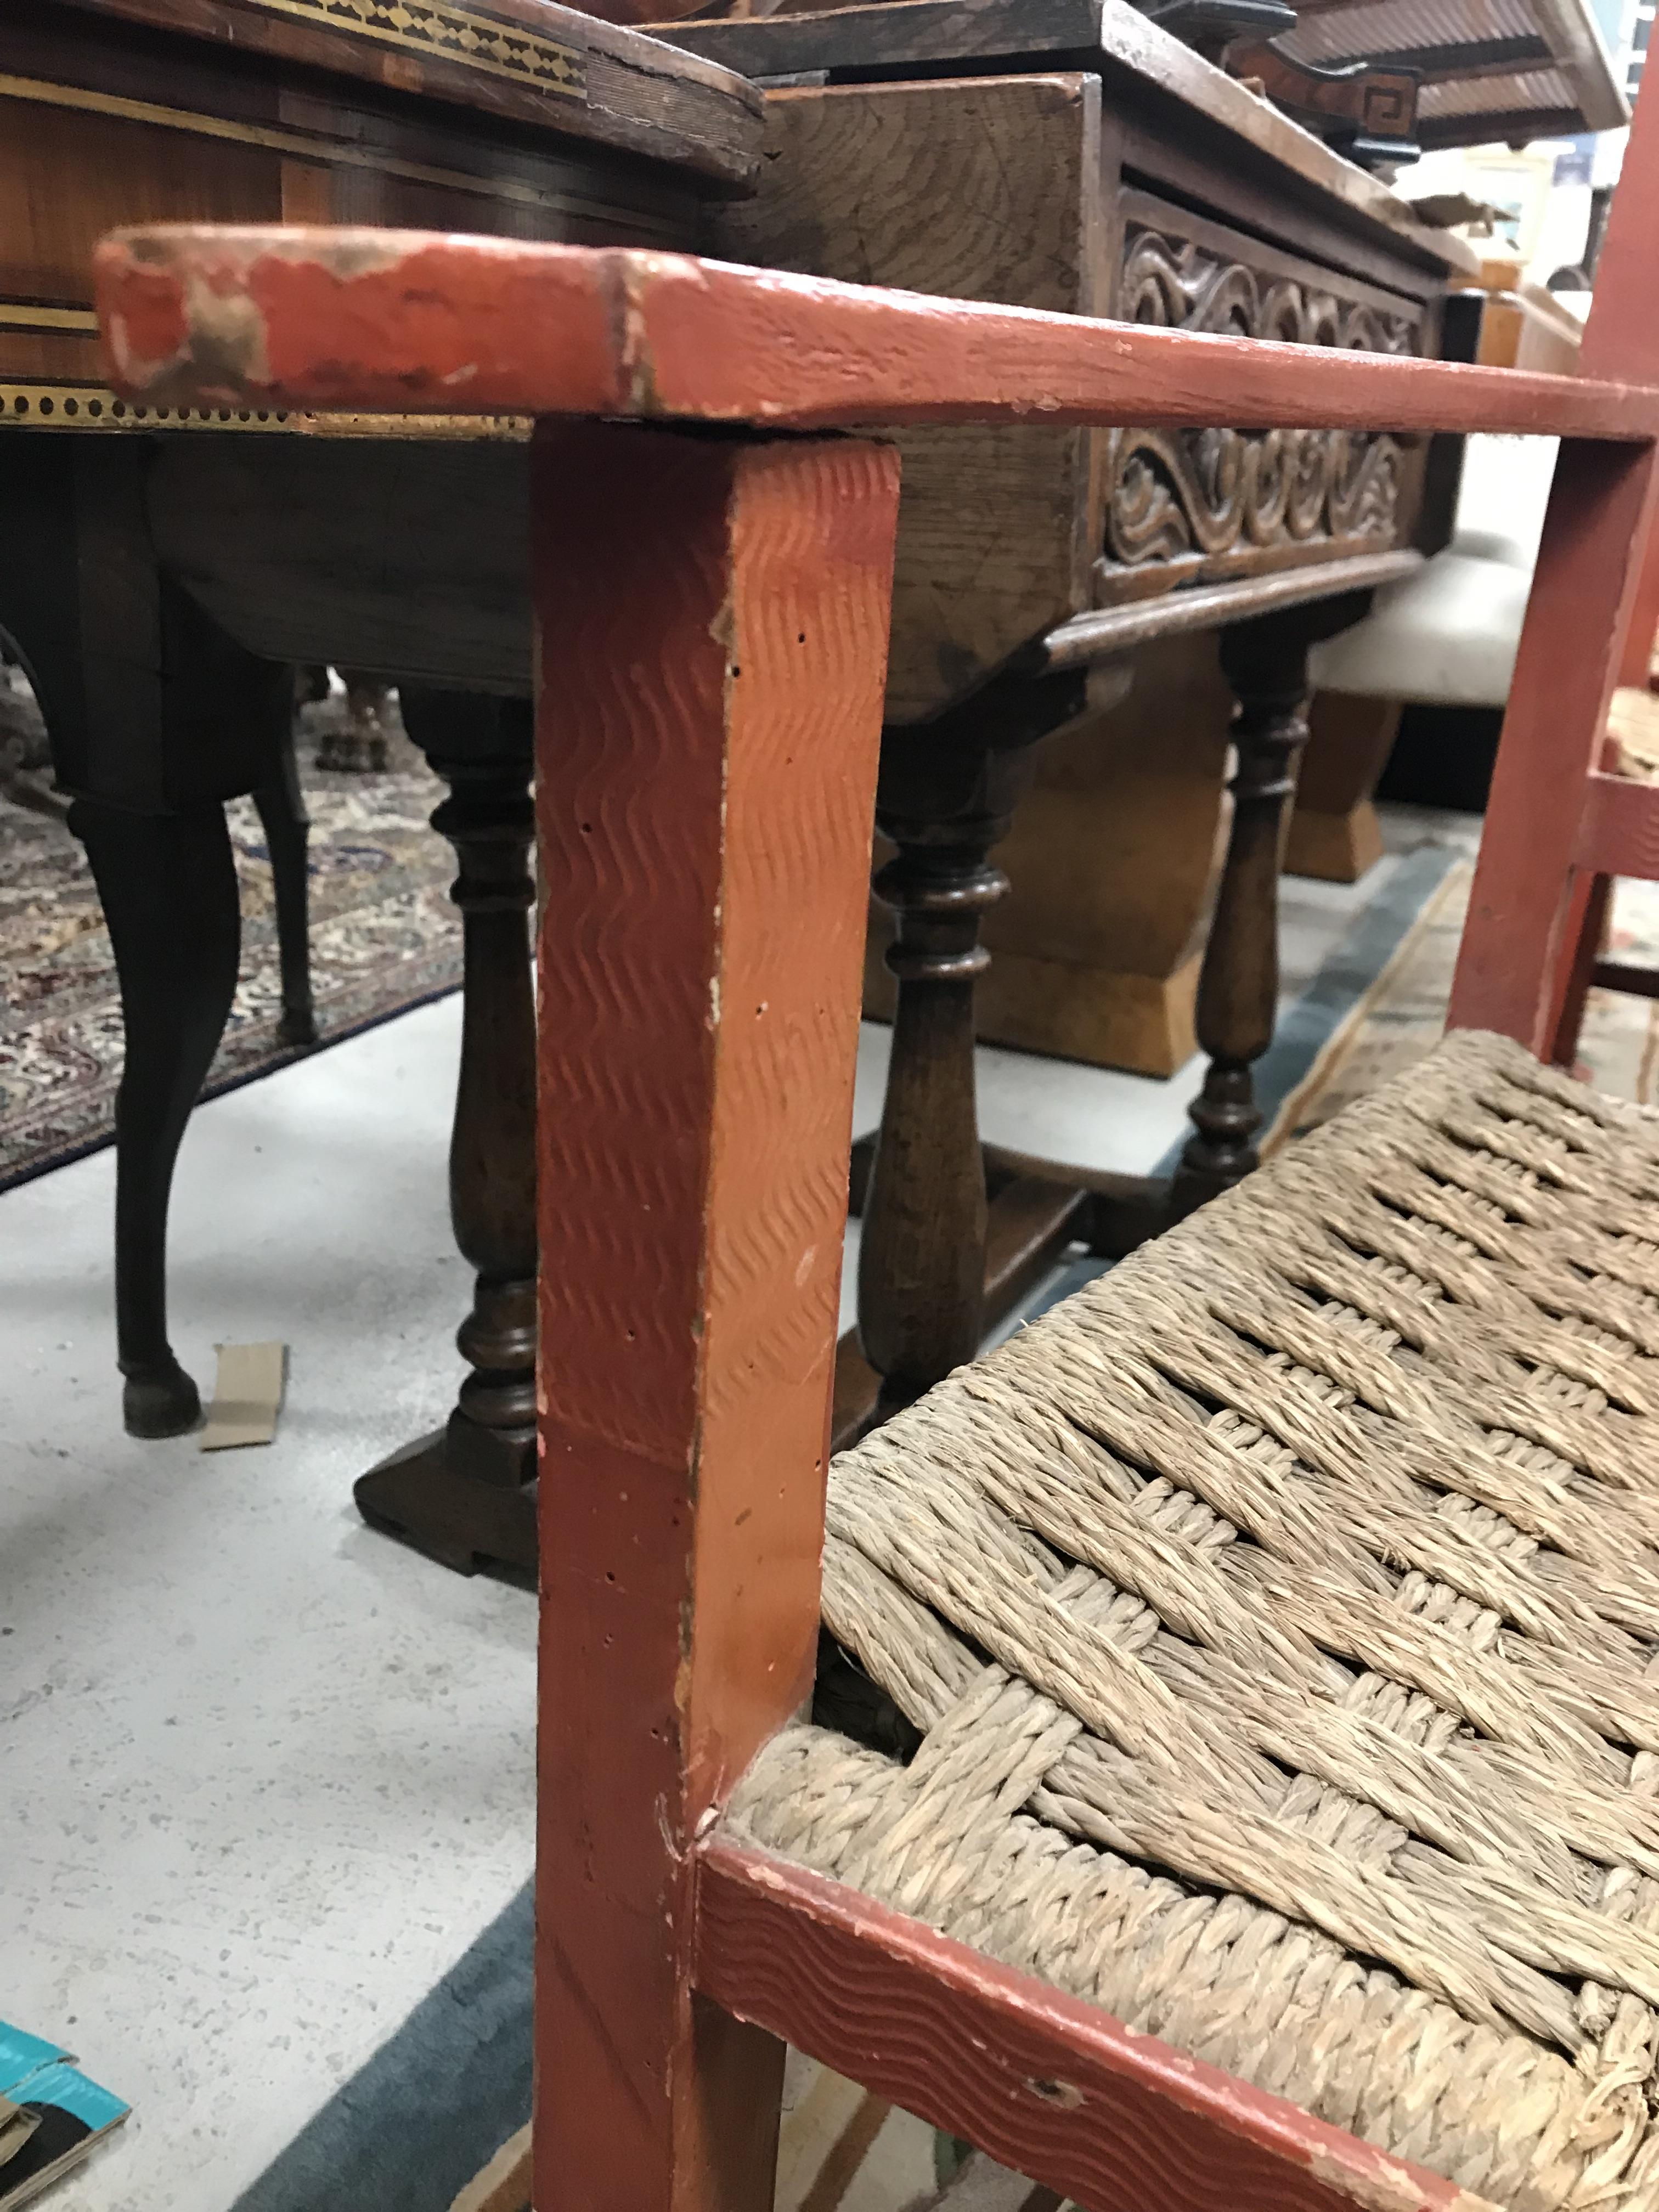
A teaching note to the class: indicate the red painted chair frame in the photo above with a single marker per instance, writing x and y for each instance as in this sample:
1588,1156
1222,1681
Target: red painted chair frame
714,610
1590,904
1557,826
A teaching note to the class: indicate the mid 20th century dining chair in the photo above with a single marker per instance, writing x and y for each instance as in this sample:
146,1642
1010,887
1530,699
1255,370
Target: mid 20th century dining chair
1258,1803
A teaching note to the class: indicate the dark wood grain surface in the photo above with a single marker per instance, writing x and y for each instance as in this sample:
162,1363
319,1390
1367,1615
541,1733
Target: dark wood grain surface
984,189
529,62
1143,67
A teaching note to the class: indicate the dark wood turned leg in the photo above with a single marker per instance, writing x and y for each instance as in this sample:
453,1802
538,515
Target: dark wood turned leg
492,1163
462,1494
1265,661
287,826
168,887
946,795
921,1257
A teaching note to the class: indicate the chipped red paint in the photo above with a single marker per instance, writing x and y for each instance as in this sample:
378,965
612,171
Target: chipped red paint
358,328
402,319
1048,2085
152,326
469,349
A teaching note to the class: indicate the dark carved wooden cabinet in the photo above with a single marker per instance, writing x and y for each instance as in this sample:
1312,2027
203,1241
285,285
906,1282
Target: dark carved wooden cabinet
1101,193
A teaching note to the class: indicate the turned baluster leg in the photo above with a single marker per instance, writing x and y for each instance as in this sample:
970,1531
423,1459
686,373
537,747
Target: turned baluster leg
287,825
1265,661
460,1494
946,795
492,1162
922,1256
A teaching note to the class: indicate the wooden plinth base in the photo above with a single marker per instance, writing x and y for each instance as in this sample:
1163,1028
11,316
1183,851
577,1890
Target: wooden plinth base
1069,1009
1337,848
1105,1017
422,1495
1333,832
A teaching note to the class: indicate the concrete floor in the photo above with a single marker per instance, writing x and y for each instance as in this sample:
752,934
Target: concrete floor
265,1776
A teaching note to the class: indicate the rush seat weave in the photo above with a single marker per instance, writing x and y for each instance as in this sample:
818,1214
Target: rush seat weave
1280,1619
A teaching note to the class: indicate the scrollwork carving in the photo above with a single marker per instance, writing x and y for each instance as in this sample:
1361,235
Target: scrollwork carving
1228,498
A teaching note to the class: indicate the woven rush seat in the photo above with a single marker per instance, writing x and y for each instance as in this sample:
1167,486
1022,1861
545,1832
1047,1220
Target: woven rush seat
1275,1629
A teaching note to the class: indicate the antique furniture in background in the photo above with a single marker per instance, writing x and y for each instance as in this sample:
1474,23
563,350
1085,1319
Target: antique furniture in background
1079,158
1538,69
697,1017
528,120
1032,562
1446,637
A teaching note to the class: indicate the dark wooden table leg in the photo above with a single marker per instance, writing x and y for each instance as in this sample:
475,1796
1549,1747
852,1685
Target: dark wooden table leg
946,795
155,717
1265,661
168,888
287,826
463,1493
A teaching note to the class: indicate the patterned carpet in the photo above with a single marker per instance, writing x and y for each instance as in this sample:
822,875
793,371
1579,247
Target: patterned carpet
384,937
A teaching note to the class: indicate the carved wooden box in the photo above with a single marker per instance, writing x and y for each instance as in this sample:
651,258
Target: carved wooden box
1085,193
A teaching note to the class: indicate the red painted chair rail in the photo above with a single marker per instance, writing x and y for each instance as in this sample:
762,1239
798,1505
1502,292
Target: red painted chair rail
1046,2085
1619,833
409,321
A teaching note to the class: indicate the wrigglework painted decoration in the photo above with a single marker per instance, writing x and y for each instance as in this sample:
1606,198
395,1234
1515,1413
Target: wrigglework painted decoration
1186,506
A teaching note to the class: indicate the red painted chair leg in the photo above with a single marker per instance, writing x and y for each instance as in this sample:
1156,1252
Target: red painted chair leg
1586,927
713,628
1637,658
1510,969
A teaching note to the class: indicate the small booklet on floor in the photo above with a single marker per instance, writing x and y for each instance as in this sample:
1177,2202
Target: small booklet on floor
51,2116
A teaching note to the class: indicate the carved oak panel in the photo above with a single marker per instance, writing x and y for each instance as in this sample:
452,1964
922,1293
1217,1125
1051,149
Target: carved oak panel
1189,506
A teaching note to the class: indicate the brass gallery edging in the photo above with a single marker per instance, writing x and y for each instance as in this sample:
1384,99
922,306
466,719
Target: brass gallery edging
90,407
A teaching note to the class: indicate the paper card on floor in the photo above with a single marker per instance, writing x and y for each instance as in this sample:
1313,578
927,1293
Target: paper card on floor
247,1395
17,2124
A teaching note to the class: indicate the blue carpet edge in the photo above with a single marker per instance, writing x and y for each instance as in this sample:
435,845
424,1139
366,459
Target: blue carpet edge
433,2105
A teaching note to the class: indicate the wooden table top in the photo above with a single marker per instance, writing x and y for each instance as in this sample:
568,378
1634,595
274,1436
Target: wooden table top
527,62
519,116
